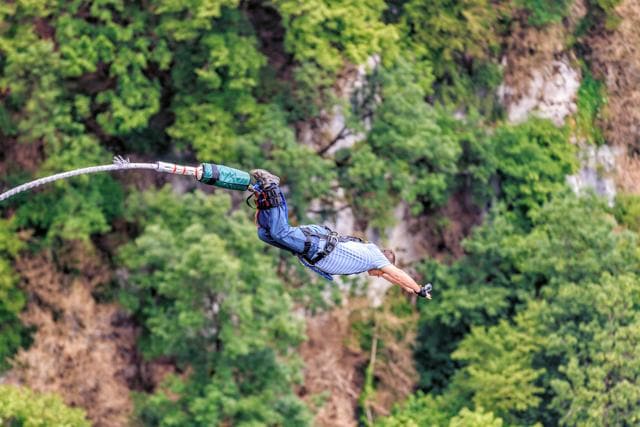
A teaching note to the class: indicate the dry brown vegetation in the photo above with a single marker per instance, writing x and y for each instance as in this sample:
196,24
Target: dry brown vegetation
335,362
528,48
82,350
333,371
394,369
627,175
615,59
23,156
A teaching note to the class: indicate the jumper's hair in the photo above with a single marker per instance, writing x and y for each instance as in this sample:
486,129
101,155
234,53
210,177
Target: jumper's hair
390,254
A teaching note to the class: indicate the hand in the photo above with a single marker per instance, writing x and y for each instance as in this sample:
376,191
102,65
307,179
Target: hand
425,291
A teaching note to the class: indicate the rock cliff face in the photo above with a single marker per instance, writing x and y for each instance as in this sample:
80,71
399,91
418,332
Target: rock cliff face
541,79
597,171
549,92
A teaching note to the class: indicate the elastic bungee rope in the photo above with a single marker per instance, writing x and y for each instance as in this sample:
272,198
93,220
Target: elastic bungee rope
118,164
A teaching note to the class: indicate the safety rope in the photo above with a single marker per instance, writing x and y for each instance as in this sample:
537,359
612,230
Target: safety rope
119,163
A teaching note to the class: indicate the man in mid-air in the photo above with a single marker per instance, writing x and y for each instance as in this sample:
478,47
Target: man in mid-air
322,250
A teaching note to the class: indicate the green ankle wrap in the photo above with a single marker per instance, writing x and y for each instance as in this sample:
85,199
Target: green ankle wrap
225,177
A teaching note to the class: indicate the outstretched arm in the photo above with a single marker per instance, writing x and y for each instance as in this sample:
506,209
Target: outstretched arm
398,277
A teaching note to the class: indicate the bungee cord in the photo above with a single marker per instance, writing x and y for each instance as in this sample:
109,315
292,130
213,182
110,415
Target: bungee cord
206,173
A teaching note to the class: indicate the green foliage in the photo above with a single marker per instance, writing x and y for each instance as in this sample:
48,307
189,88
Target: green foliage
585,337
627,211
536,324
479,417
570,240
447,29
407,156
458,39
209,297
591,100
418,410
533,161
185,21
498,368
214,76
324,36
328,32
593,329
43,110
21,406
303,171
12,300
545,12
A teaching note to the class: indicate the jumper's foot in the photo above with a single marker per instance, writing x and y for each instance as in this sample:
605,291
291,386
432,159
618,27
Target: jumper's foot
266,179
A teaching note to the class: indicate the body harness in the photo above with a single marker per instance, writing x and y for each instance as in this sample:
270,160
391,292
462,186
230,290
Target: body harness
267,199
331,238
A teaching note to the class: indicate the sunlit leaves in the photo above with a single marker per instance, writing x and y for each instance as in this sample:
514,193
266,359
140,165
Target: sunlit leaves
209,297
21,406
328,32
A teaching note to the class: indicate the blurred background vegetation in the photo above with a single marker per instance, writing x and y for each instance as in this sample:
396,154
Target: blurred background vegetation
134,299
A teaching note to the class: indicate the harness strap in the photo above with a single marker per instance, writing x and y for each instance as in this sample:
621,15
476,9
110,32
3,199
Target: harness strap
332,239
308,235
266,199
307,244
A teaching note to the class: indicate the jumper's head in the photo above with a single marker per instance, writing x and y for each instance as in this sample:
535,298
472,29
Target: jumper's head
391,256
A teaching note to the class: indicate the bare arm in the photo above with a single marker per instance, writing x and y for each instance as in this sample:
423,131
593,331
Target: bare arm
393,274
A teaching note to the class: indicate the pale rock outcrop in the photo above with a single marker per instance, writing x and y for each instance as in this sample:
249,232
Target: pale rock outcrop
597,171
551,93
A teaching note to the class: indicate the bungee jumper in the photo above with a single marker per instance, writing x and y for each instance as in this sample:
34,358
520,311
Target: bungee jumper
317,247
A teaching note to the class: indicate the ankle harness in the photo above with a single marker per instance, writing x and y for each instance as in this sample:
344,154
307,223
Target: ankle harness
265,199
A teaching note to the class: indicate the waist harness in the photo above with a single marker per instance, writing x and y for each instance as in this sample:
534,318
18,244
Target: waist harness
332,239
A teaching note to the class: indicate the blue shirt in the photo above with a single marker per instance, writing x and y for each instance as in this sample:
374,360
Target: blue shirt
353,258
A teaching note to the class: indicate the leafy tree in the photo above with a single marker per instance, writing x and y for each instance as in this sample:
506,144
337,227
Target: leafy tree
209,297
326,32
627,211
407,155
571,240
324,35
34,72
186,21
459,39
418,410
467,418
499,371
214,77
533,160
12,299
21,406
583,337
592,329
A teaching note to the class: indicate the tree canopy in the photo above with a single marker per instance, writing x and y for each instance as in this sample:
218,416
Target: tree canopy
365,104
